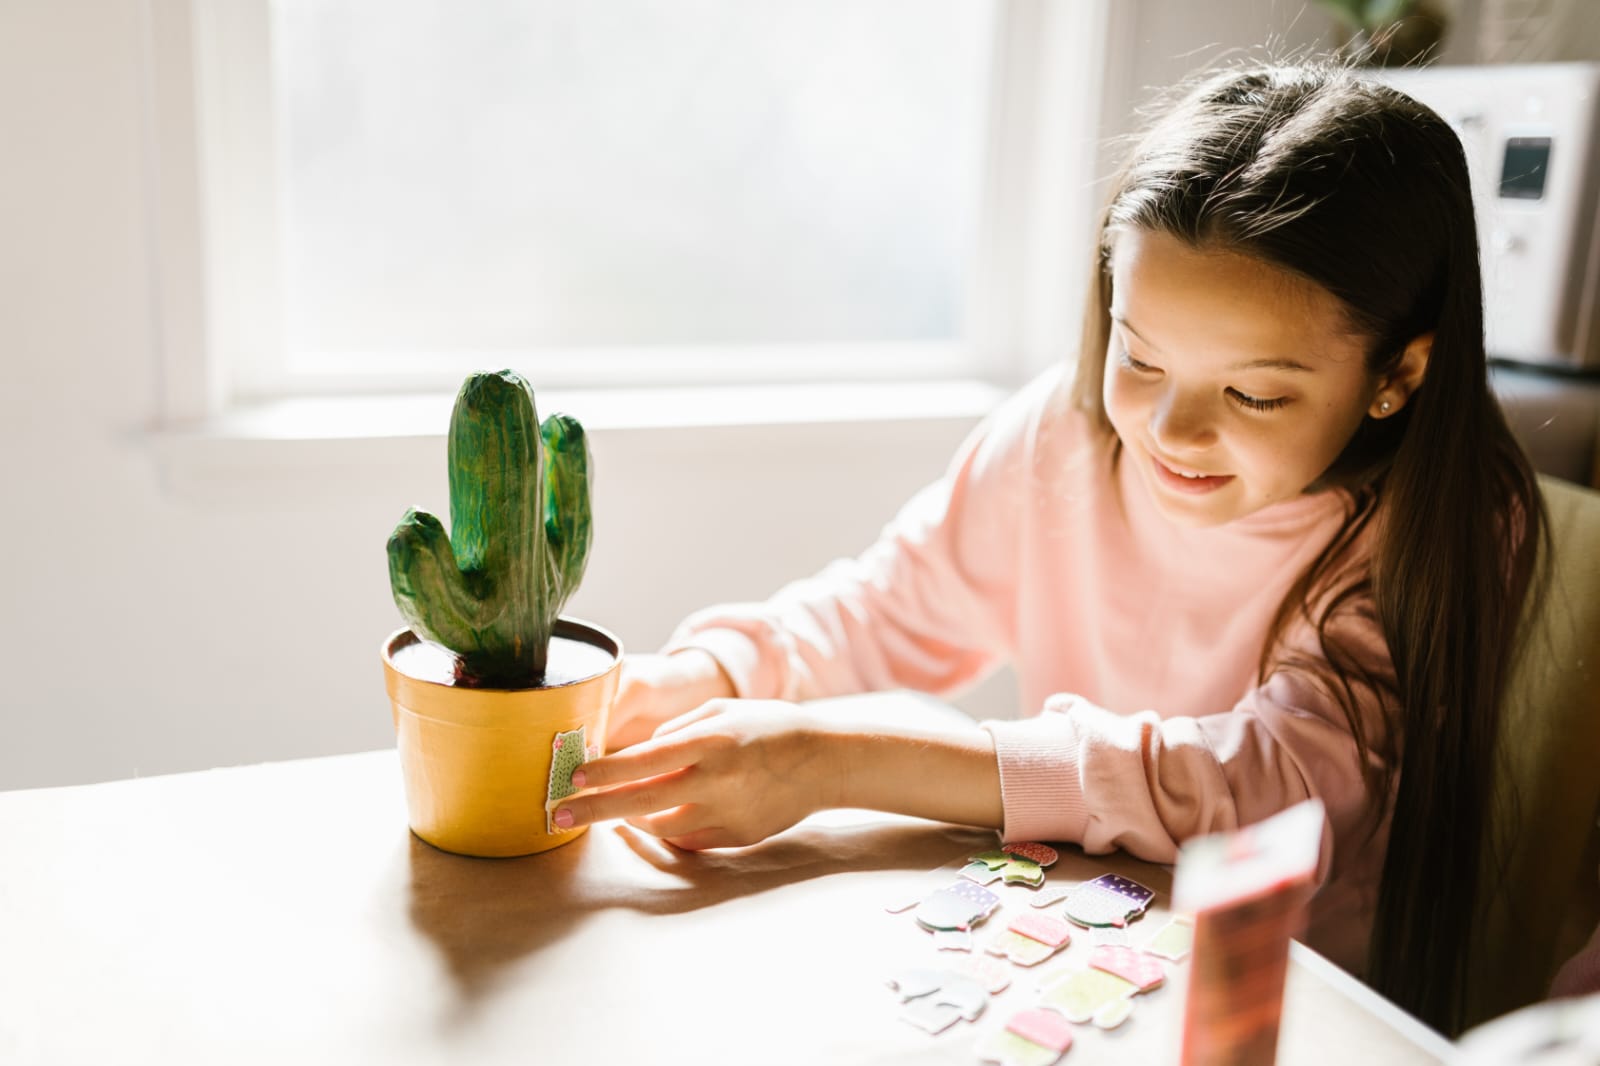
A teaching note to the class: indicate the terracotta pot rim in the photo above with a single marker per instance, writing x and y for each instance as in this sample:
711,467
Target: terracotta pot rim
566,626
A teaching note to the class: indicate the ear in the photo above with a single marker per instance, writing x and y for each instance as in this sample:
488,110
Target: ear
1395,388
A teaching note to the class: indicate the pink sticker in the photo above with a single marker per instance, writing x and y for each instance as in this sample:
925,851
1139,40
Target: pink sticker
1042,927
1133,966
1042,854
1043,1027
992,974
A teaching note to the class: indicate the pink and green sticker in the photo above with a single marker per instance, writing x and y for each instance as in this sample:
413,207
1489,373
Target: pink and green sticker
1031,938
1034,1037
567,753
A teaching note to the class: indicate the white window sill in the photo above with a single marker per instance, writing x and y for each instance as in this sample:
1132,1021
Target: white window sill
325,440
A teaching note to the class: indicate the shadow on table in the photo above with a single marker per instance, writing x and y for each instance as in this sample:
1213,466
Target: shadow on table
486,914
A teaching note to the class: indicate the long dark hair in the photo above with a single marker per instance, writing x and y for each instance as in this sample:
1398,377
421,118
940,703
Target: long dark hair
1364,191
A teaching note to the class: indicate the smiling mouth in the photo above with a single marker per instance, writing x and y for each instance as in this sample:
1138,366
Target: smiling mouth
1188,483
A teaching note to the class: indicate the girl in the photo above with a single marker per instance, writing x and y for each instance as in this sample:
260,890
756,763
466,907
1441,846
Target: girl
1268,543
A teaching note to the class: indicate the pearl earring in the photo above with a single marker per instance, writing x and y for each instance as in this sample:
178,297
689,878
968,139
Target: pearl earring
1383,408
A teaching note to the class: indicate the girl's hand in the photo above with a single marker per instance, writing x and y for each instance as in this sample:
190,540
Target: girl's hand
731,773
658,688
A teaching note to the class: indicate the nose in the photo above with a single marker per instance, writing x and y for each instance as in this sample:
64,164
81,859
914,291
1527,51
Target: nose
1183,422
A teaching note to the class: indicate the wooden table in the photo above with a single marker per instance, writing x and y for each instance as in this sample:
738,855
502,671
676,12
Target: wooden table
283,913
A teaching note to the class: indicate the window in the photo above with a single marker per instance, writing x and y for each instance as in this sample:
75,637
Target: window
635,191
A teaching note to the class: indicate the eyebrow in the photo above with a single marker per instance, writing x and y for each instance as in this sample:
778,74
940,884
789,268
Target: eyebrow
1254,364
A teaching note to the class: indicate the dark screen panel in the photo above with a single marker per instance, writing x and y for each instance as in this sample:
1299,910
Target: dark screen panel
1527,162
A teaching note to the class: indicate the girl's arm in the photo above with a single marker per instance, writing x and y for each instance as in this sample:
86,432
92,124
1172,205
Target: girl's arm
931,605
737,771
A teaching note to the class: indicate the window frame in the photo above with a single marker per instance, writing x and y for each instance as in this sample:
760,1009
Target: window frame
214,168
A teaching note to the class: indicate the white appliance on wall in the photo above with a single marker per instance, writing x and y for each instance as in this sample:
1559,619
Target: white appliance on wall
1531,133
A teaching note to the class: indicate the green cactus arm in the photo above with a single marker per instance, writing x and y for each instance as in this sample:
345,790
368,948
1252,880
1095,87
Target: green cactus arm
568,523
432,594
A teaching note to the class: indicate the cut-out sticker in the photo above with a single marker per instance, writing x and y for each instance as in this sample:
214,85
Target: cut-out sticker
567,753
1108,900
930,1016
1142,971
952,940
937,999
916,982
994,859
957,906
1031,938
1107,934
1113,1014
1024,873
1042,854
1172,941
1032,1037
980,874
1015,869
1054,894
1081,995
992,974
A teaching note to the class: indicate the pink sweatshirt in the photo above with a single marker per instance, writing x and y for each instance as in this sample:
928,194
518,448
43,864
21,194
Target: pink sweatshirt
1136,644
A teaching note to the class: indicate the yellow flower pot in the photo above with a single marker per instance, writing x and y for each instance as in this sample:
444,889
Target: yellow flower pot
477,761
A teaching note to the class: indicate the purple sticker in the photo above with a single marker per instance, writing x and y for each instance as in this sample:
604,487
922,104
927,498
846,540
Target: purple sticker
1107,900
958,906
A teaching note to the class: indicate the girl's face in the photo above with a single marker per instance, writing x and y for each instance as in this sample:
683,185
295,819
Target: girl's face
1232,384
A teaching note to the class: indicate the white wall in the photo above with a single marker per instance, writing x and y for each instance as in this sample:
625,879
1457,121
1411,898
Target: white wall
147,627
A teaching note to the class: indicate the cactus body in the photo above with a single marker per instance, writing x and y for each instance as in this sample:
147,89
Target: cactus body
491,590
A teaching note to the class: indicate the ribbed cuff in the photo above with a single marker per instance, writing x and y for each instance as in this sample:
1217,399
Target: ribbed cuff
1040,787
737,654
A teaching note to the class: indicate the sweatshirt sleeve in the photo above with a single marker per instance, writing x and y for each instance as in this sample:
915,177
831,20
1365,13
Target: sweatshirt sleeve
1144,783
929,606
1580,975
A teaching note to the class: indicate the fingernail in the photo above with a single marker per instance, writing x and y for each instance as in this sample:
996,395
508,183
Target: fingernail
579,779
563,818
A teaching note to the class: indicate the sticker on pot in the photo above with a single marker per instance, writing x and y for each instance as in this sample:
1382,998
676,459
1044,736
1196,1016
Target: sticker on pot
567,753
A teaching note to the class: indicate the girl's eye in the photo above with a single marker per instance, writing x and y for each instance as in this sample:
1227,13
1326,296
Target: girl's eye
1254,404
1126,359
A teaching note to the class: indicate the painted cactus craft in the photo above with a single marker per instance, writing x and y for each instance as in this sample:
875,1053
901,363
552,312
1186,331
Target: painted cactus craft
491,589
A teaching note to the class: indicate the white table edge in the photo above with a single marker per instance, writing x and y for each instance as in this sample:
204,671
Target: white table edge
1426,1039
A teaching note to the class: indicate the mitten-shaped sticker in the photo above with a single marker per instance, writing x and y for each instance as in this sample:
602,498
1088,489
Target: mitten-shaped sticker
1108,900
1173,941
1031,938
956,906
1135,967
1030,1038
1089,995
937,999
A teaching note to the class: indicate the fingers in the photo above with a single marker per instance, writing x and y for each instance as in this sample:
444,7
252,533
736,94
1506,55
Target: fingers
688,718
704,839
684,827
653,794
646,759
